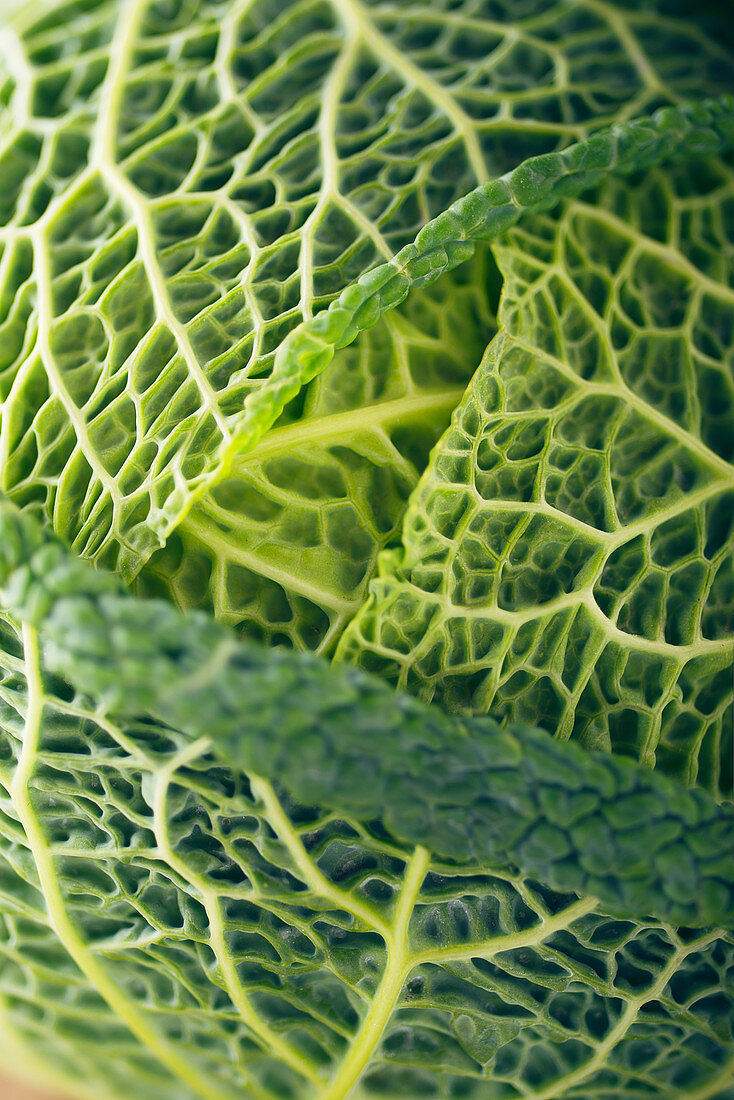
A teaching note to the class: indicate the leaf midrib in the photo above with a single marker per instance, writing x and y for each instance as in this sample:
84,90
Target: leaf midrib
335,425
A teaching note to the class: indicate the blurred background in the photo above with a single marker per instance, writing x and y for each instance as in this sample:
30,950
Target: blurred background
10,1090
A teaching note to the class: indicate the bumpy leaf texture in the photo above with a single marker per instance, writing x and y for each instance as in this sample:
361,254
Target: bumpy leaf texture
186,182
217,940
228,872
568,556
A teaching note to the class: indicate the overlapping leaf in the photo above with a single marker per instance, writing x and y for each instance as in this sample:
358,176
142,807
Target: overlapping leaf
568,557
283,547
183,183
219,941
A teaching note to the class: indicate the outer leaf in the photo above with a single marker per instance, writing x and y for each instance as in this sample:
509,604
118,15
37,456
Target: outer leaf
222,943
337,738
183,183
568,556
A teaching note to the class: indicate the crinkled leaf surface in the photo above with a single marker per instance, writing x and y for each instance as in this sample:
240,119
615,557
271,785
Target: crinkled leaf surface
183,183
283,547
568,556
218,940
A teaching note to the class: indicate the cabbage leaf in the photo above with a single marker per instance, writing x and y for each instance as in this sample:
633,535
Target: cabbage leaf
185,182
567,558
371,925
253,255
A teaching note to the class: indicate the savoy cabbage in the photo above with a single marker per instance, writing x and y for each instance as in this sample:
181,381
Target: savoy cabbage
399,338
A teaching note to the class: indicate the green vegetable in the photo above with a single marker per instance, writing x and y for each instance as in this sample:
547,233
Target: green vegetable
401,334
244,941
567,557
465,790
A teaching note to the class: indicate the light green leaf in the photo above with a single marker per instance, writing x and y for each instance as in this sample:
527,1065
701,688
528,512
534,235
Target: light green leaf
184,183
567,558
283,547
